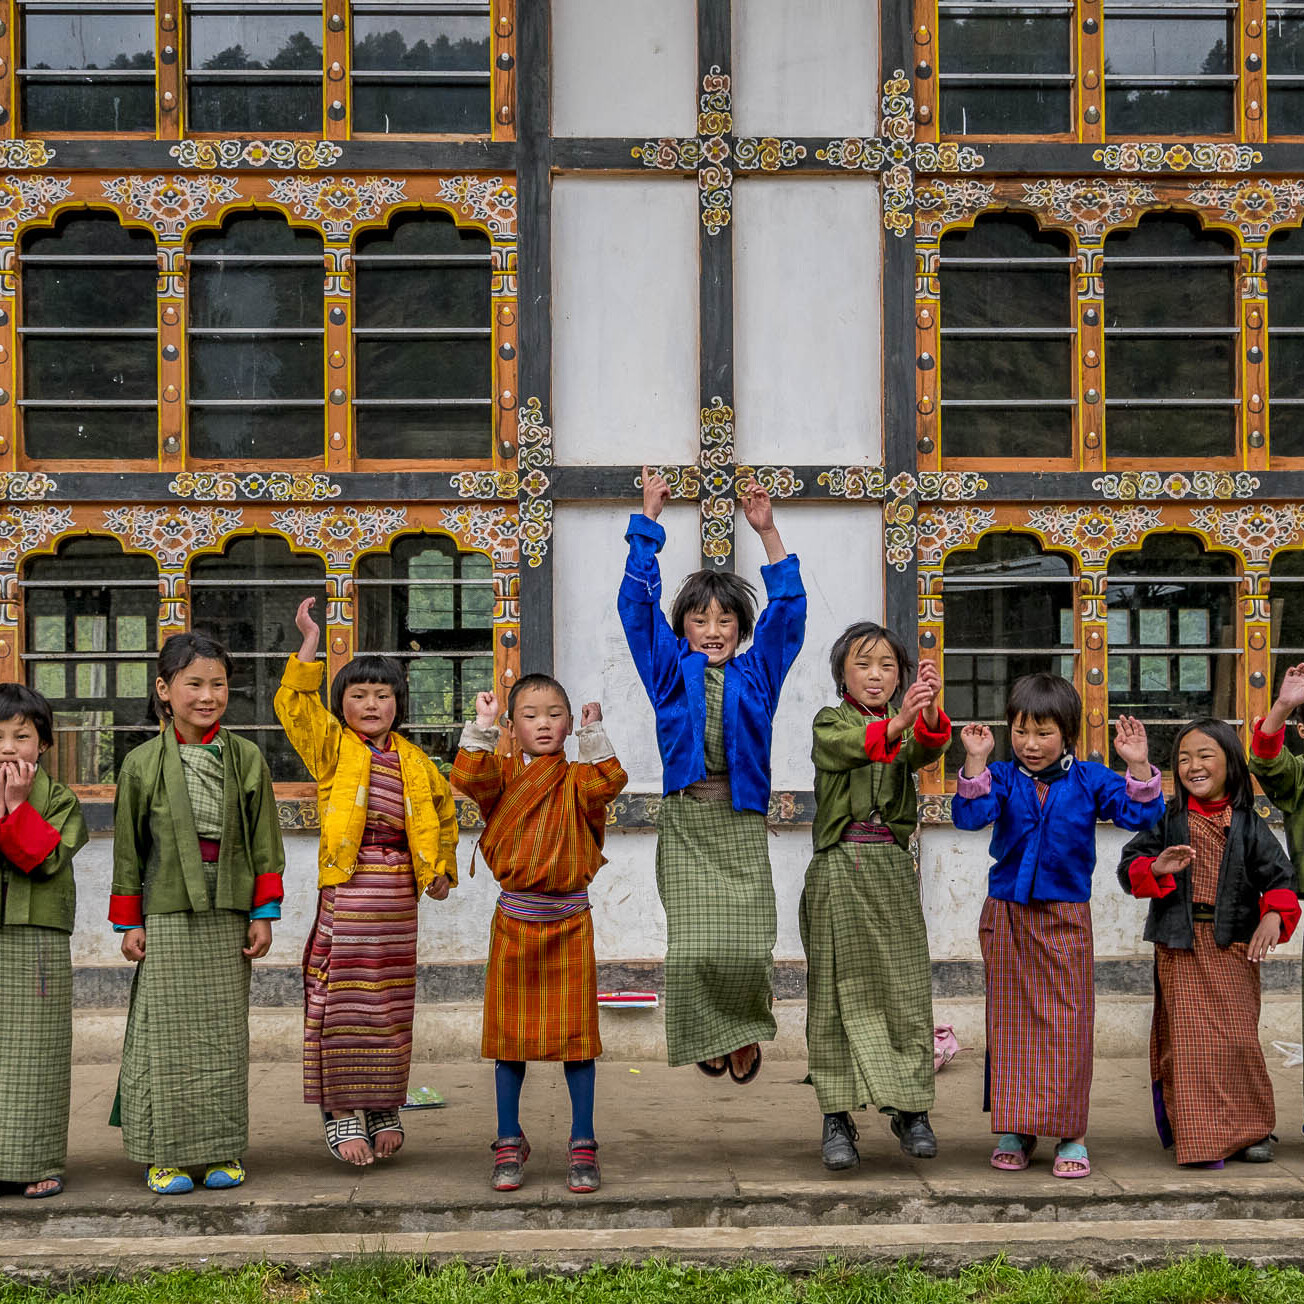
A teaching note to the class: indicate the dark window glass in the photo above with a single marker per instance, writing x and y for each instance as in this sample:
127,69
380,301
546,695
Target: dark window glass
1284,33
1169,72
1006,340
1171,638
1286,343
255,66
421,67
88,336
90,620
1286,603
1002,71
247,597
431,606
1170,340
255,338
1009,611
87,67
423,340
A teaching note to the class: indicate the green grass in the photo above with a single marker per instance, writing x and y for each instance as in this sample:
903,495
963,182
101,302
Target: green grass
1205,1279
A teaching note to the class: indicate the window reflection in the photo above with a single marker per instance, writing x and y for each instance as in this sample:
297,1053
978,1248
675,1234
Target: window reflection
1284,35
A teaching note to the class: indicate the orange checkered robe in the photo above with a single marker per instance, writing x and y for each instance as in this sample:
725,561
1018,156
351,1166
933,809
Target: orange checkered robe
544,827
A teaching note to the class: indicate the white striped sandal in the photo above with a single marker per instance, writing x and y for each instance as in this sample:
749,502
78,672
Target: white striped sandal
340,1131
383,1120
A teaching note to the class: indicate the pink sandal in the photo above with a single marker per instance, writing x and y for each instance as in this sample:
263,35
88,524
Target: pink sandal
1071,1152
1013,1152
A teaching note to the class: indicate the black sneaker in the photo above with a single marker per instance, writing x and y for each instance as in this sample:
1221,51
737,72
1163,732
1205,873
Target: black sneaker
839,1145
914,1133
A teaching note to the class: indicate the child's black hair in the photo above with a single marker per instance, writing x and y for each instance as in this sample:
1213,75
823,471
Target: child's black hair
371,668
734,594
1239,788
535,681
868,632
18,699
1046,697
179,651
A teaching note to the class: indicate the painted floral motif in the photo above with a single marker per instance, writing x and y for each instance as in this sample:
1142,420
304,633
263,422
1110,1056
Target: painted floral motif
25,198
1093,532
171,204
717,515
1254,531
25,154
938,203
898,107
536,529
714,123
949,485
25,486
489,527
173,534
670,153
284,154
684,481
854,481
1156,484
948,157
766,154
1256,206
854,153
935,808
534,459
490,200
486,484
1092,205
715,434
715,104
23,529
278,486
339,203
940,529
1152,156
341,533
777,481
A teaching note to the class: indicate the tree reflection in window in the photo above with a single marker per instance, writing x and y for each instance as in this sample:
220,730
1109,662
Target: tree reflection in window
1171,638
89,644
1006,340
421,67
423,340
1286,343
89,340
1170,340
247,597
431,606
1009,611
1284,35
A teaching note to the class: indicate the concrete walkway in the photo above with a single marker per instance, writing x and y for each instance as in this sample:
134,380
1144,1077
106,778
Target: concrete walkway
698,1169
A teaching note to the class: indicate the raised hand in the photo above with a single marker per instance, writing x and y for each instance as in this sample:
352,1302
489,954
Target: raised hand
309,628
590,713
917,696
1131,744
1173,860
977,741
656,493
759,511
486,710
1289,699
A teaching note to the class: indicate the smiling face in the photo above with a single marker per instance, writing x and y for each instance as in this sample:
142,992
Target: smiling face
1202,766
712,630
369,709
196,696
19,740
540,721
871,673
1036,741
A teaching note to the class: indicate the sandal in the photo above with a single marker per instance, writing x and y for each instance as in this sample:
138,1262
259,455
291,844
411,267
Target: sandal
1071,1152
340,1130
1013,1152
56,1189
714,1070
383,1120
742,1079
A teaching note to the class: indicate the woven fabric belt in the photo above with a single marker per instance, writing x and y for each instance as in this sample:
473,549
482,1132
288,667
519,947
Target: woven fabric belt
867,831
715,787
541,907
1202,912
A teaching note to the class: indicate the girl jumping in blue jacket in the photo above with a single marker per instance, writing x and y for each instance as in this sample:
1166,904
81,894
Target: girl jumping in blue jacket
714,712
1035,929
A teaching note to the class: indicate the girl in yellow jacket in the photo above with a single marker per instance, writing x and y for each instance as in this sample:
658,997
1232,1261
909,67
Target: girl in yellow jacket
388,833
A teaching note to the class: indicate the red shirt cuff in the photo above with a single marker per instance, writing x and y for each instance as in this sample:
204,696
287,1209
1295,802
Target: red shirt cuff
1141,873
1265,745
267,888
125,910
1286,904
939,737
26,839
877,747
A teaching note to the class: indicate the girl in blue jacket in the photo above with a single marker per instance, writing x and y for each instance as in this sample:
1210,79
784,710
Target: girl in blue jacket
1035,929
715,712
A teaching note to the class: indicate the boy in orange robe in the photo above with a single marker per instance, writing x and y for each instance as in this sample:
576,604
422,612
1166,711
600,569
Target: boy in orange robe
545,819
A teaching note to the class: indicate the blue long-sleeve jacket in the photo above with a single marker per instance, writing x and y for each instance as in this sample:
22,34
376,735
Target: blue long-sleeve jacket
675,677
1048,853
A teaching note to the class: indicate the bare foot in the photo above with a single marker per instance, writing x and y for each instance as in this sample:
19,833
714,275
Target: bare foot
43,1187
389,1142
743,1058
717,1063
356,1151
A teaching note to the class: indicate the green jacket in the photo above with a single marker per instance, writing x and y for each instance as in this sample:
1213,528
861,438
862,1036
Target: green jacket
47,896
1282,779
157,868
850,786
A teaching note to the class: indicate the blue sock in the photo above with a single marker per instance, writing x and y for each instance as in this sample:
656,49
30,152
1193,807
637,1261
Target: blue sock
581,1078
509,1078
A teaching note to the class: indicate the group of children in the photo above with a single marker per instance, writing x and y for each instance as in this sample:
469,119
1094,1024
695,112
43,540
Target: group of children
198,864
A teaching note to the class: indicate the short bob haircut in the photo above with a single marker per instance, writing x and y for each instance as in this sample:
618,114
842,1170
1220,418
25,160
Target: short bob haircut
1046,697
178,652
18,699
734,594
527,682
868,632
1239,787
371,669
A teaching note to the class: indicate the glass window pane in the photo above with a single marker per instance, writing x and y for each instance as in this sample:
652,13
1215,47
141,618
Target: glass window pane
1006,296
53,107
982,109
256,432
394,40
268,368
50,679
53,433
235,104
78,368
1169,367
1142,432
1006,367
78,294
999,43
424,368
1167,47
266,35
408,294
1285,109
1007,432
47,634
89,40
132,679
459,433
1138,110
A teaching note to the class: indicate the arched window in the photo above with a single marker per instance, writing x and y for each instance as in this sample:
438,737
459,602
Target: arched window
1286,343
1171,637
1170,341
89,640
423,341
88,333
1009,611
432,606
255,336
1006,341
247,597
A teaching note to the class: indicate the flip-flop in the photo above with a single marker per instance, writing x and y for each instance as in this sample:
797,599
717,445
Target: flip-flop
56,1189
742,1079
1070,1152
1015,1150
714,1070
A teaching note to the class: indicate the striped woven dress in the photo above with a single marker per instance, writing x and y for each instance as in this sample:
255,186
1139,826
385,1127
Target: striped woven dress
360,965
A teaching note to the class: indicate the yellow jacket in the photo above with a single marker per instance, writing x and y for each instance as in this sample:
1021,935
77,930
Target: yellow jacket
341,763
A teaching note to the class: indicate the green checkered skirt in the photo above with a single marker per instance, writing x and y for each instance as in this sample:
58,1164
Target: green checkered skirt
35,1052
713,874
184,1085
869,999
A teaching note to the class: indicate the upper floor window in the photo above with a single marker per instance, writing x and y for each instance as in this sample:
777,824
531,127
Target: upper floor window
88,334
1007,339
1286,343
1284,33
